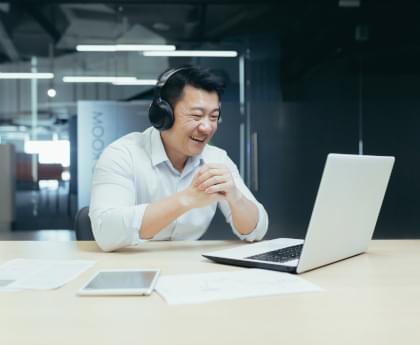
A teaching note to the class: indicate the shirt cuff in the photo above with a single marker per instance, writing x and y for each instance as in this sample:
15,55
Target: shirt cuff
136,223
260,229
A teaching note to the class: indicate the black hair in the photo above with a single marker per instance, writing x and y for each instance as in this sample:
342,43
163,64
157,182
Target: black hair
197,77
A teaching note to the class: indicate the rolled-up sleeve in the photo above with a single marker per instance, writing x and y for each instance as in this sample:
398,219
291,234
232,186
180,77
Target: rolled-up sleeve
260,229
115,217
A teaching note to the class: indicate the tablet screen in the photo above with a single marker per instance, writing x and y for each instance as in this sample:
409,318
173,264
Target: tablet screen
121,282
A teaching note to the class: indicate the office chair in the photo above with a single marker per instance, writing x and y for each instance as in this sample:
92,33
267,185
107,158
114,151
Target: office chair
82,225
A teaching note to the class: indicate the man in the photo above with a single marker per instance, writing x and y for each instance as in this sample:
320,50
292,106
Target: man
166,182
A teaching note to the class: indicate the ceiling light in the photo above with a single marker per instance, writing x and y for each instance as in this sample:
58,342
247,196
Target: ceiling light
95,79
145,47
26,75
51,93
123,47
96,48
185,53
136,82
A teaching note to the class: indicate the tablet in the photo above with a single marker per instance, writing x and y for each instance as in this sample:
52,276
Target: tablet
121,282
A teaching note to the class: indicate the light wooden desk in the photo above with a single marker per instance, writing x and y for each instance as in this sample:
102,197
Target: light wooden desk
370,299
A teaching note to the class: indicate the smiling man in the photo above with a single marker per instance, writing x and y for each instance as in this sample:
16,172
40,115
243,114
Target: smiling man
166,182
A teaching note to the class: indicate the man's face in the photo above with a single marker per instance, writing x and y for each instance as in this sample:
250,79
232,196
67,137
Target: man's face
196,117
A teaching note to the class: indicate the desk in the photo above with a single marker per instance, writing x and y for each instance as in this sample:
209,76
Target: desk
370,299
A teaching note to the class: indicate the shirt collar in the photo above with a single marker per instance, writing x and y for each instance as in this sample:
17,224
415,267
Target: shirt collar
159,155
157,150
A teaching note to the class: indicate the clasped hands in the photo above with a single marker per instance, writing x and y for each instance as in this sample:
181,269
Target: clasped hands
213,182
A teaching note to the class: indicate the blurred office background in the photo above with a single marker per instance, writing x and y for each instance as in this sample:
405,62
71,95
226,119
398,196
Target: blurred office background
305,78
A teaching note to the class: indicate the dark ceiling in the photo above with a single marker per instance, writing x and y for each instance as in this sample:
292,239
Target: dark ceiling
308,31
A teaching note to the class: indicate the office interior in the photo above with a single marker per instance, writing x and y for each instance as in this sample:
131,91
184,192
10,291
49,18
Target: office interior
304,79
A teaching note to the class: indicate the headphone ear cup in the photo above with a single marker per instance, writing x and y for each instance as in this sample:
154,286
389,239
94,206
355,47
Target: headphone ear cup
167,115
154,115
161,114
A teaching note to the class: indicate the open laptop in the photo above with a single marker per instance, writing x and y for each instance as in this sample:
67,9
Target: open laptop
343,219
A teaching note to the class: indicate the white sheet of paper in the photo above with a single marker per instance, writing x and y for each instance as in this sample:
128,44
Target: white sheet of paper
206,287
20,274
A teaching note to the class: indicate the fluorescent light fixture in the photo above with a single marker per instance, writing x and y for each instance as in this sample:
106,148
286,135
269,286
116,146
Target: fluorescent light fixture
123,47
108,79
95,79
96,48
186,53
26,75
145,47
136,82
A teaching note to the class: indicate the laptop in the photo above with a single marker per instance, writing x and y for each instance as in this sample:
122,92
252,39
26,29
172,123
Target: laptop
343,219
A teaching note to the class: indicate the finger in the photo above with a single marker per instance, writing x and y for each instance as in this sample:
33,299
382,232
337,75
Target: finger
219,188
199,173
212,181
209,174
203,169
195,178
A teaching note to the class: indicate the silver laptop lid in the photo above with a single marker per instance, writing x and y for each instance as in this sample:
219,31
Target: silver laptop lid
346,208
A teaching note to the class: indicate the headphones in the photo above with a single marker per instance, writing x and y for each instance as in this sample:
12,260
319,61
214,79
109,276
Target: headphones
161,114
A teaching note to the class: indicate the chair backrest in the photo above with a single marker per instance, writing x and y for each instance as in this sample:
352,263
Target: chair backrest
83,226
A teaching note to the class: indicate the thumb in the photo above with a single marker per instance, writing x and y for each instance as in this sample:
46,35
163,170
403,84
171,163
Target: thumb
197,175
195,178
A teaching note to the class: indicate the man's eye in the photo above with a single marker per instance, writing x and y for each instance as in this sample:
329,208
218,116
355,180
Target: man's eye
196,116
214,117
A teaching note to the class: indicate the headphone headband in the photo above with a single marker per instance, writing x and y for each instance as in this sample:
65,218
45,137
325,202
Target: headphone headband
168,74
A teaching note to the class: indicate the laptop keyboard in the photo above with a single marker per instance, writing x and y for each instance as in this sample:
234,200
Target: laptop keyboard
279,255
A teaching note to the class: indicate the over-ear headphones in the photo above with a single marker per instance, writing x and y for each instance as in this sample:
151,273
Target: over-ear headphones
161,114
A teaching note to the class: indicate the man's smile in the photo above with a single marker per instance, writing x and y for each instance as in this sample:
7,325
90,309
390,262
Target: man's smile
199,139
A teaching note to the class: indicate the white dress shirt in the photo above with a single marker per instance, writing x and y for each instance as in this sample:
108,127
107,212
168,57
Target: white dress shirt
135,171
